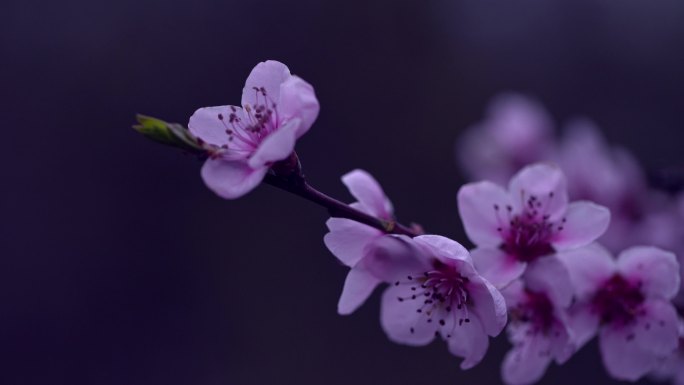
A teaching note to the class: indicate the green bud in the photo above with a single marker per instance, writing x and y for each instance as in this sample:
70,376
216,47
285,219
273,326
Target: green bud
170,134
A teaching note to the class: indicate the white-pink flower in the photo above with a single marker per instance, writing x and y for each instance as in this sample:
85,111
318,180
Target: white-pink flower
538,326
517,131
435,291
627,301
277,109
353,242
530,220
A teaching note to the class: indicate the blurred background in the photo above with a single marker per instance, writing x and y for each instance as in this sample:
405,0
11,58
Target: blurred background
120,267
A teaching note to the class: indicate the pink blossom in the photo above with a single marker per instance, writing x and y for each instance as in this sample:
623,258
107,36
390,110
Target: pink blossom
277,109
435,291
672,369
353,242
532,219
538,327
516,132
625,300
606,175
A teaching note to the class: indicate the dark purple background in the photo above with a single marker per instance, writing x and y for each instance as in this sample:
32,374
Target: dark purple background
120,267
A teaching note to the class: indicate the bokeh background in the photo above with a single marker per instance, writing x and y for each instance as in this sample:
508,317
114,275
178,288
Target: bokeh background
119,267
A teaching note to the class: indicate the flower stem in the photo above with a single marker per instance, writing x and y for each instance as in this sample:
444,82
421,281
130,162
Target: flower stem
298,186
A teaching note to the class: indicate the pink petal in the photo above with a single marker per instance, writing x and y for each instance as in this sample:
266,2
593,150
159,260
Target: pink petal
657,270
394,258
357,288
269,75
347,239
469,341
483,210
231,179
514,294
278,145
444,248
589,267
400,320
546,182
526,362
205,124
368,192
582,322
549,275
298,100
623,357
496,266
584,223
657,329
488,304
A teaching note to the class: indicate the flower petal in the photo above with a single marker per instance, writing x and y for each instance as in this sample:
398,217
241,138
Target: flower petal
544,181
400,320
468,340
482,207
358,286
367,190
584,223
444,248
298,100
623,357
231,179
657,329
394,258
589,267
347,239
527,361
278,145
208,124
657,270
496,266
582,322
488,304
269,75
549,275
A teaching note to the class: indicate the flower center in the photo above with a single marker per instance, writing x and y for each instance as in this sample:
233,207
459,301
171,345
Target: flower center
249,128
440,294
537,311
527,236
618,301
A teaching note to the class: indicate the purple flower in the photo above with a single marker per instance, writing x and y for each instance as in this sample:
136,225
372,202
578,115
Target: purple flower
277,109
435,291
672,369
538,327
516,132
532,219
606,175
627,302
353,242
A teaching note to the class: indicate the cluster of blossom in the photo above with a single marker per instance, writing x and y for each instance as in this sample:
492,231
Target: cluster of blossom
536,269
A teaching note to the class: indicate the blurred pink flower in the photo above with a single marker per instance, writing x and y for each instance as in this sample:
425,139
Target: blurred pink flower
435,291
277,109
537,327
625,300
530,220
516,132
672,369
353,243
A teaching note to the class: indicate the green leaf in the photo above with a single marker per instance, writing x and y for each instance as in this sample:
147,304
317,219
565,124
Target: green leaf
170,134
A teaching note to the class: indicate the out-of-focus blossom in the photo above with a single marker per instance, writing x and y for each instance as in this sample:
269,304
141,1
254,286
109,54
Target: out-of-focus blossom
672,369
625,300
530,220
243,143
435,291
516,132
353,243
606,175
538,328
